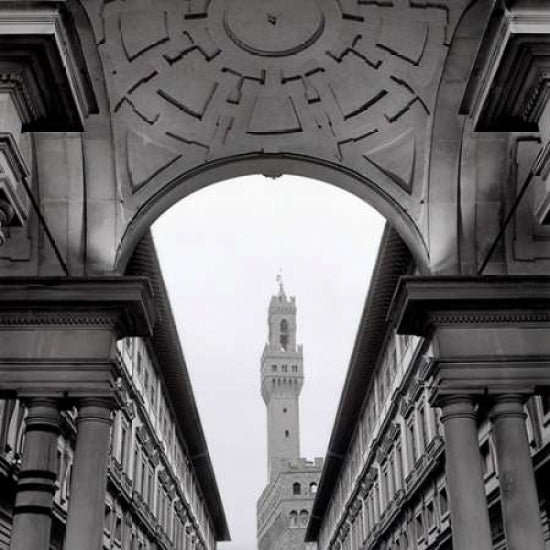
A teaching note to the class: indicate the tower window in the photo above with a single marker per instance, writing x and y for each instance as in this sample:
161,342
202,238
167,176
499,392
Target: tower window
287,433
304,517
285,410
313,488
285,368
274,368
294,368
296,489
443,502
283,336
293,518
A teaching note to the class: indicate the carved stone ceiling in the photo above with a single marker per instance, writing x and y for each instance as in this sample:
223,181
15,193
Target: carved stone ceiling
351,82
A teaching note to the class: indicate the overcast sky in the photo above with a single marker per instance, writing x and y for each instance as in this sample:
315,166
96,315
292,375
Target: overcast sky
220,250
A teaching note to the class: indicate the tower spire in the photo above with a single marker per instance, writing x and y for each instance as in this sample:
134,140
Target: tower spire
279,280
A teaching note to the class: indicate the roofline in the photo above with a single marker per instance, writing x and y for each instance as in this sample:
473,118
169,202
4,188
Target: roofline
393,260
169,356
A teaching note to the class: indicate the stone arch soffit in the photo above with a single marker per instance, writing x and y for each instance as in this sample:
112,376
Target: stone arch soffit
192,83
447,139
273,166
87,36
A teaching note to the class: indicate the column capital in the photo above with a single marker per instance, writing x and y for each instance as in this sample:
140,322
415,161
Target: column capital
508,406
96,409
43,414
456,406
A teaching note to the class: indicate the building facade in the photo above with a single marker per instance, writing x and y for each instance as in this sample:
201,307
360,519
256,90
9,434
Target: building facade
437,114
390,490
155,498
284,506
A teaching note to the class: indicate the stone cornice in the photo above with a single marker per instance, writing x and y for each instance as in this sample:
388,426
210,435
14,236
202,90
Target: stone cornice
489,334
510,81
422,303
121,303
38,44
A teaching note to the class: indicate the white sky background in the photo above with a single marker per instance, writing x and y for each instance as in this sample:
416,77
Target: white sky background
220,250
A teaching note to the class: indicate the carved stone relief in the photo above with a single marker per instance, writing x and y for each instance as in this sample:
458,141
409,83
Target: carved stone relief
342,81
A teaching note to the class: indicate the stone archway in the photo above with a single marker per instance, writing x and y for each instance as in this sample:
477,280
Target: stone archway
202,91
433,112
274,165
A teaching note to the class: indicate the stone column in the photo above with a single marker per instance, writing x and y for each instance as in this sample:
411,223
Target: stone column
32,518
518,490
89,480
468,503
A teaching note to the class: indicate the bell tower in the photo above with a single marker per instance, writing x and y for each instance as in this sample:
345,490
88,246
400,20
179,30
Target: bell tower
282,379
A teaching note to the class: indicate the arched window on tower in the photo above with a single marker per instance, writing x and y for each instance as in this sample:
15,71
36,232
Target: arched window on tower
293,516
296,489
304,518
283,334
313,488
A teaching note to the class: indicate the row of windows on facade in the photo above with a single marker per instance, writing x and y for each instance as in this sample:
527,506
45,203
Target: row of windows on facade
427,517
414,432
12,441
296,519
421,426
389,471
297,489
284,368
147,482
141,470
146,478
139,365
419,525
126,535
143,480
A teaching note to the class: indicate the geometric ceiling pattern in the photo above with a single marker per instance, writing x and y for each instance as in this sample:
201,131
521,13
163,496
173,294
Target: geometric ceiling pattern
191,82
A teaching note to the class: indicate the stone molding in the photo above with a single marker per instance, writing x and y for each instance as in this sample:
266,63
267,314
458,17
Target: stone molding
58,335
122,303
489,334
37,45
510,82
509,87
422,304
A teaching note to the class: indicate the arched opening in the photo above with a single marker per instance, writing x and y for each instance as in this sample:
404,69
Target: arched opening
296,488
276,165
240,211
283,338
